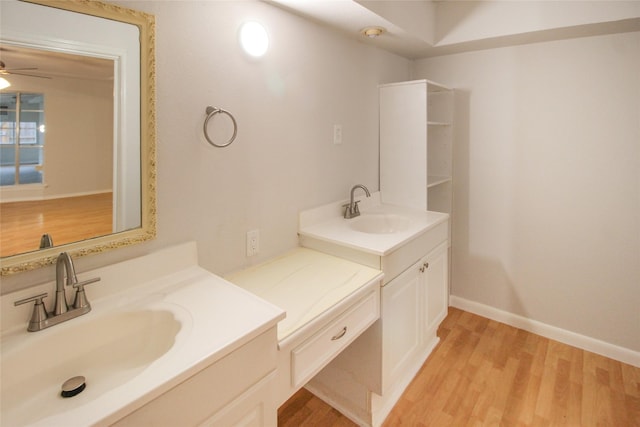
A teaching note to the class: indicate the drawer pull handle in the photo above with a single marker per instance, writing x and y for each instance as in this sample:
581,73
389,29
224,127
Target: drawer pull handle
339,334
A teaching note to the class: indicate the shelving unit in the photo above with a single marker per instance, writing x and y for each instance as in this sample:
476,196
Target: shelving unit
416,144
433,180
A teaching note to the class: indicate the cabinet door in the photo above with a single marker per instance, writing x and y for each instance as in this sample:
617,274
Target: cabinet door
400,324
253,408
436,287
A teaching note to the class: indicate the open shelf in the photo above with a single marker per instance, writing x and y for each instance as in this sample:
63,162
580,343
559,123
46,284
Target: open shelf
433,180
433,87
416,144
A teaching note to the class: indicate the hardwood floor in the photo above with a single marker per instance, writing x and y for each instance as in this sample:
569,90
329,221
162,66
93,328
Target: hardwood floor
66,220
485,373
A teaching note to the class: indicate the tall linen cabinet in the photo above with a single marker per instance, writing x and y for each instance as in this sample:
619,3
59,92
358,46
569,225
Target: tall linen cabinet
416,141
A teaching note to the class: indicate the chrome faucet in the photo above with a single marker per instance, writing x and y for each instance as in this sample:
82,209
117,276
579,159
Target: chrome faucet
61,312
351,210
46,241
64,266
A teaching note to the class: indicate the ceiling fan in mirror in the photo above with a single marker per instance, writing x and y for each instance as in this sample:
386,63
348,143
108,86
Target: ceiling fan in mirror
19,71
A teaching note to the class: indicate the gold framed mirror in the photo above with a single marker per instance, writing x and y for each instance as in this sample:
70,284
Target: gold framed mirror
133,122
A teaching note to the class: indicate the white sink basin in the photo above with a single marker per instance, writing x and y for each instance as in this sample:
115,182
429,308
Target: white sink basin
379,230
109,350
155,323
374,223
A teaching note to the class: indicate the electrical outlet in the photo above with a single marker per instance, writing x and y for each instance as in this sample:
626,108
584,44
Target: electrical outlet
253,242
337,134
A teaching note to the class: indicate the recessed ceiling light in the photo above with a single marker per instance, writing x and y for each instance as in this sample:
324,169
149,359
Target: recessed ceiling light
372,32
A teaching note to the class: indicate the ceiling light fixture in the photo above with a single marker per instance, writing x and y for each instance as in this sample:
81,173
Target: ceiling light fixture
372,32
4,83
254,39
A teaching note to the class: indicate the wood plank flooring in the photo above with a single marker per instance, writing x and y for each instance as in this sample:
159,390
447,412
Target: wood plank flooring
485,373
67,220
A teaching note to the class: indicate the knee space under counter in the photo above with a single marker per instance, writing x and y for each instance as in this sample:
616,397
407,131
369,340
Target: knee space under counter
328,301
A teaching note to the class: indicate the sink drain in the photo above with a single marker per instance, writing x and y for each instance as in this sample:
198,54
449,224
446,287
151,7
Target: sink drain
73,386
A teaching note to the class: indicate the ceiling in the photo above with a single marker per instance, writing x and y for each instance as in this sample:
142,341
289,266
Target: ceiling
37,63
407,21
350,17
410,32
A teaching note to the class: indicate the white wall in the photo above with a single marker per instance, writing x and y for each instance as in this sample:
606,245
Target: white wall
79,156
286,104
547,182
79,134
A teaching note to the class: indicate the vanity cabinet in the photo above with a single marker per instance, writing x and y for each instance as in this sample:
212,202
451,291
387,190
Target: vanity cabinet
413,305
237,390
329,302
434,273
416,140
402,323
254,408
309,356
366,380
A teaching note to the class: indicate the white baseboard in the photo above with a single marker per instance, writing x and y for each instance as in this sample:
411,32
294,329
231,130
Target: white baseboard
35,192
22,193
603,348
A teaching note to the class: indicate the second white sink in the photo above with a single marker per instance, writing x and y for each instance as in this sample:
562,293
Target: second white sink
379,230
374,223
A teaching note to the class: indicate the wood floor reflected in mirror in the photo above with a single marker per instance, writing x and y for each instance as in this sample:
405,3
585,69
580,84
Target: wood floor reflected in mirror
487,373
66,220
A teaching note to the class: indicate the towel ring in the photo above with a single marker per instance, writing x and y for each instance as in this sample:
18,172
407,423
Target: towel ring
212,111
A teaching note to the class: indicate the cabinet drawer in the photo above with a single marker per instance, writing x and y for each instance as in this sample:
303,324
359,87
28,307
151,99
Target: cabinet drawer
313,354
401,259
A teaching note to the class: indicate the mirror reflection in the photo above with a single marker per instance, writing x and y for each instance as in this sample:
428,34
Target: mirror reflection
56,148
77,130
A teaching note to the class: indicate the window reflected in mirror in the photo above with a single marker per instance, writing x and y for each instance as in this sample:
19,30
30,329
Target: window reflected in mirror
22,132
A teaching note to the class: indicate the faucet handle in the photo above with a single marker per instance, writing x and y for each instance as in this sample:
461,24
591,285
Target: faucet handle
347,210
80,285
39,313
37,298
351,211
356,209
80,300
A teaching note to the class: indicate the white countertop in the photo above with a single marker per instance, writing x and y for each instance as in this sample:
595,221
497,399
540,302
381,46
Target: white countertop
306,284
326,223
216,318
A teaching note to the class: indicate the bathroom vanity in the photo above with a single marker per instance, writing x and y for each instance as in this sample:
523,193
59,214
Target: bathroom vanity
411,247
329,302
166,343
169,343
